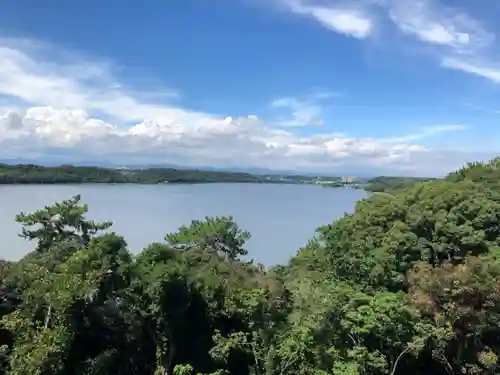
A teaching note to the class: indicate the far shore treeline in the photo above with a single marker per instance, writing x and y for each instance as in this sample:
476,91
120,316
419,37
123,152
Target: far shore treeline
408,284
70,174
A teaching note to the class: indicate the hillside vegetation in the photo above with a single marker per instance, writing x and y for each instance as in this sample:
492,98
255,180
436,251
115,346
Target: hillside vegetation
64,174
71,174
409,284
383,184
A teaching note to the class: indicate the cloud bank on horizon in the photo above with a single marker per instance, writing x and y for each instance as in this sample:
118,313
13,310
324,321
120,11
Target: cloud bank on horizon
56,102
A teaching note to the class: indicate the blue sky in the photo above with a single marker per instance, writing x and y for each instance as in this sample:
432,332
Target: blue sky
368,86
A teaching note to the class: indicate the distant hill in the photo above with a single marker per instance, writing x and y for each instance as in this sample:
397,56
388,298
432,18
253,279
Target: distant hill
390,183
360,174
30,173
252,170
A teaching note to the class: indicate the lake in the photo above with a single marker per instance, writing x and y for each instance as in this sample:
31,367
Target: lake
281,218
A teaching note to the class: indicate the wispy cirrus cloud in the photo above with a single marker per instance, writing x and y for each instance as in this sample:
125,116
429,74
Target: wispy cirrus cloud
440,25
304,112
482,109
344,20
463,42
488,70
455,38
428,131
29,72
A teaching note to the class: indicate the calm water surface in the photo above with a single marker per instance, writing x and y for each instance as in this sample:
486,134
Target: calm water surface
281,218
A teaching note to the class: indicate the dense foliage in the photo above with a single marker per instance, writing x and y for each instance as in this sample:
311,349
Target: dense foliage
384,184
408,284
36,174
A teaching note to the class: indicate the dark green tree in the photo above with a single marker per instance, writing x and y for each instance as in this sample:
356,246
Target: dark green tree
60,221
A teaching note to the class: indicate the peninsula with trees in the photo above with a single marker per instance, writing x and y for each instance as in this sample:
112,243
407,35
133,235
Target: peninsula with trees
70,174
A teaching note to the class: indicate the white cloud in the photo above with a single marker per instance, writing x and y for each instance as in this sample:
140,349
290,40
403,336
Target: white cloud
427,131
455,38
246,141
463,42
489,71
482,109
352,22
430,23
304,112
65,104
85,85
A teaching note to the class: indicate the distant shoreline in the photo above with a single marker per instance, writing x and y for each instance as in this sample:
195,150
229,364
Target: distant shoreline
24,174
32,174
151,183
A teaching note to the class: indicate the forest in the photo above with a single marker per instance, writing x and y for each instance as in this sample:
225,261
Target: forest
409,284
385,184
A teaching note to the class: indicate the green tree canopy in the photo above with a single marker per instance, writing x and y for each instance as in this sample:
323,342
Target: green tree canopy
407,284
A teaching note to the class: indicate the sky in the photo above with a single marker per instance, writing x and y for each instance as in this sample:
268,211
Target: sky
400,87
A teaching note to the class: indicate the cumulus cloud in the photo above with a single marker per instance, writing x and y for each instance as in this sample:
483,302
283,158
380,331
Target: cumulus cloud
77,110
247,140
